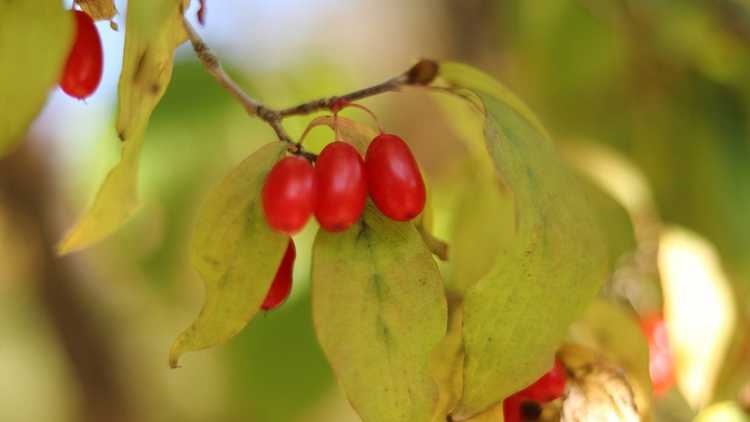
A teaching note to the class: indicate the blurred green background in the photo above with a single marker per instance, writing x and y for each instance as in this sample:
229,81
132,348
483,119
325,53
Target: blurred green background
666,83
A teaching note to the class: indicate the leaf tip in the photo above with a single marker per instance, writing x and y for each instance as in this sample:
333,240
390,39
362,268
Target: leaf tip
175,352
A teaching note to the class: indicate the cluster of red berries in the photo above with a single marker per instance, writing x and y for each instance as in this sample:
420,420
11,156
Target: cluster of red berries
83,69
524,405
661,364
336,190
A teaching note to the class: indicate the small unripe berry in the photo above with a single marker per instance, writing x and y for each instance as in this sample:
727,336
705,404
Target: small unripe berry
341,186
393,178
83,69
282,282
289,194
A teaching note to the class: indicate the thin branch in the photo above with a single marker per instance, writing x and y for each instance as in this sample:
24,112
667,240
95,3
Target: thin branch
213,67
326,103
422,73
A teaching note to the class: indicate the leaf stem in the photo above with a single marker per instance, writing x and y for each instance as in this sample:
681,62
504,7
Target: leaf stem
422,73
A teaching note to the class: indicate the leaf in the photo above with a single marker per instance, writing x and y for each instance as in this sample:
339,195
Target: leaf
33,59
154,29
235,252
493,414
98,9
723,412
545,270
693,279
379,310
613,332
446,363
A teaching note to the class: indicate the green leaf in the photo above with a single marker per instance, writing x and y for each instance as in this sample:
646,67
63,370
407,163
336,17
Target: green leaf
379,310
154,29
35,38
235,252
548,267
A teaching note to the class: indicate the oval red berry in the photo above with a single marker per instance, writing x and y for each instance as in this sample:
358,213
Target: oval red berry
393,178
83,69
289,194
341,186
282,282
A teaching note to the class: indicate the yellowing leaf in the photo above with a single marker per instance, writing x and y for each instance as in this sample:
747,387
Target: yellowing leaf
98,9
154,29
599,392
613,332
548,267
723,412
447,363
35,38
379,310
484,223
700,312
235,252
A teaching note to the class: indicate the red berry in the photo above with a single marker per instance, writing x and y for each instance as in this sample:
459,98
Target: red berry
393,178
289,194
661,364
549,387
282,282
512,408
83,70
341,186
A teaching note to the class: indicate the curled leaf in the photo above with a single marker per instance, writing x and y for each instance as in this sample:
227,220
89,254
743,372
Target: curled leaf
154,29
693,279
98,9
548,262
596,389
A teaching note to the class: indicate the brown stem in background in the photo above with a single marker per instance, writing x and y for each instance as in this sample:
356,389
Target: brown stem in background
24,180
422,73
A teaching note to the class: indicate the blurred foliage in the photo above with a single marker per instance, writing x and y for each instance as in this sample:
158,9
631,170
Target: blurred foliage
662,84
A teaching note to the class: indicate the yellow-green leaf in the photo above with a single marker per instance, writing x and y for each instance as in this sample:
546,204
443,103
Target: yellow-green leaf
154,29
547,269
726,411
235,252
379,311
35,38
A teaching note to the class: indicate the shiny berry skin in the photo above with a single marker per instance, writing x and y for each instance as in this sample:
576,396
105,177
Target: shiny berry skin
289,194
661,364
83,69
549,387
282,282
393,178
341,186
